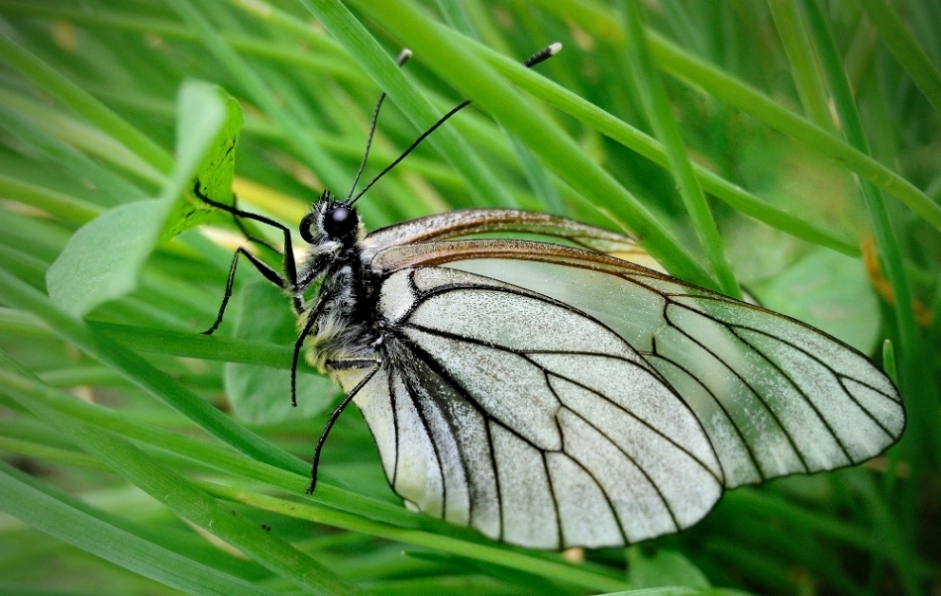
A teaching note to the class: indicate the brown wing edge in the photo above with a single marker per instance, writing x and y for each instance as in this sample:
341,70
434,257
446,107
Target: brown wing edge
470,222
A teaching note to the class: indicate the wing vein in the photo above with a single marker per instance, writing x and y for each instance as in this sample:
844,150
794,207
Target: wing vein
433,365
606,496
745,383
836,375
555,502
800,391
409,389
640,468
496,473
525,355
395,426
721,406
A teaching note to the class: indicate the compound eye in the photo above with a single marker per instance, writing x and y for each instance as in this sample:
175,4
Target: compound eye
340,222
307,228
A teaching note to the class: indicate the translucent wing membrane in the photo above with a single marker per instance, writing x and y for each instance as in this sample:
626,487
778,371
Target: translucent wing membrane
507,411
566,398
774,396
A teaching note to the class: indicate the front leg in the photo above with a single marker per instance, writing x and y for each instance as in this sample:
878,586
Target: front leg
287,280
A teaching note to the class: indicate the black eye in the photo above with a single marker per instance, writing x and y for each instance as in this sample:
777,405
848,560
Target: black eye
306,228
340,222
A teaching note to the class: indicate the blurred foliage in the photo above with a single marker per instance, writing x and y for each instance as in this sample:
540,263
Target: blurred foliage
141,458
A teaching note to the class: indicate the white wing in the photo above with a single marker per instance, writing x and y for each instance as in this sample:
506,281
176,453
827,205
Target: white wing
522,417
775,396
553,397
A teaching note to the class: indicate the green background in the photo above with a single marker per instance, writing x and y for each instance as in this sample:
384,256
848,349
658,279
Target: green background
787,147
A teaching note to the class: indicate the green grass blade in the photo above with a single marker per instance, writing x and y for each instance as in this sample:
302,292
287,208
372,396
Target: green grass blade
887,242
800,55
113,544
115,190
659,113
905,49
180,495
620,131
701,74
751,101
143,374
497,554
82,102
51,201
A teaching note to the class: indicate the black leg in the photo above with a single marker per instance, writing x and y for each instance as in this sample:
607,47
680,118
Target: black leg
333,418
290,267
299,345
248,235
269,273
287,281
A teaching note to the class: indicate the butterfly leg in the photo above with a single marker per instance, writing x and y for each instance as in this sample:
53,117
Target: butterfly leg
339,410
287,280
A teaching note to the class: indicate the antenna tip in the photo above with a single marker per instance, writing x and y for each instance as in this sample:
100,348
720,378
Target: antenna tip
404,55
554,48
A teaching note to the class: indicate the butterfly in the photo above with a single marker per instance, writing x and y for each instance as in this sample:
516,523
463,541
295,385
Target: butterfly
564,391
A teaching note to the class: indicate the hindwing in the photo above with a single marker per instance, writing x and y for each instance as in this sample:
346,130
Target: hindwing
520,416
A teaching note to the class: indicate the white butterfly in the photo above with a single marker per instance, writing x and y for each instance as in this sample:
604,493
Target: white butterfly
550,394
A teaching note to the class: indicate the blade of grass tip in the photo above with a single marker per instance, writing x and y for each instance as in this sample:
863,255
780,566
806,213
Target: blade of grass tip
660,114
83,103
140,372
94,536
905,49
800,55
179,495
484,187
443,54
925,411
623,133
600,21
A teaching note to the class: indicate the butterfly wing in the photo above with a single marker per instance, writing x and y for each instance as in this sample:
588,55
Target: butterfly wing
464,223
522,417
613,402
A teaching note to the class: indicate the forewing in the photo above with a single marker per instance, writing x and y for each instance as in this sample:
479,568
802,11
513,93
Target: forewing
530,421
775,396
467,223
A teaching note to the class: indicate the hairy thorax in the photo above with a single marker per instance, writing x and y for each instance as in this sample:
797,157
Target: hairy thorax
341,332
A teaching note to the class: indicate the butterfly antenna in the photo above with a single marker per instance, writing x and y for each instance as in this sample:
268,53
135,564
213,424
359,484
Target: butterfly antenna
404,55
540,56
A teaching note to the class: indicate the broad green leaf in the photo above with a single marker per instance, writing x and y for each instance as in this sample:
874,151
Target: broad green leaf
201,106
829,291
260,394
102,261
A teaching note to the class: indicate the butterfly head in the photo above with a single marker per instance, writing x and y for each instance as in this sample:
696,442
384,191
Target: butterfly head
331,223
